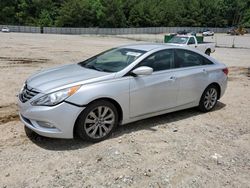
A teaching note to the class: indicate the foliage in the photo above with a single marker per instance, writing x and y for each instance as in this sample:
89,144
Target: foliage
125,13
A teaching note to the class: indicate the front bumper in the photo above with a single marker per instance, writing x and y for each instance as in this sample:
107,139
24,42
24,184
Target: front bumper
60,118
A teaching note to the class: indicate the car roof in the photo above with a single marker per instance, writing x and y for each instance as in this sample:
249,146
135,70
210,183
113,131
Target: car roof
152,46
147,46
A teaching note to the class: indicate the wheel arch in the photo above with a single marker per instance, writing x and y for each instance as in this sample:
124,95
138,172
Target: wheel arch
114,102
217,86
201,102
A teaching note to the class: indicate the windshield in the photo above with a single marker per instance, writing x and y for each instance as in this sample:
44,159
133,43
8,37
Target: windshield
178,40
113,60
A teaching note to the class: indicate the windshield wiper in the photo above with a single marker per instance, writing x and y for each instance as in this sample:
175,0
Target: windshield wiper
93,67
107,70
97,68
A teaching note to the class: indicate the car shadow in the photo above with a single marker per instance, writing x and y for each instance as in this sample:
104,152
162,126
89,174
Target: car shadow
146,124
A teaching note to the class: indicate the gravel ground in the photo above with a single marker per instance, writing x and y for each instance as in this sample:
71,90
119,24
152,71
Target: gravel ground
181,149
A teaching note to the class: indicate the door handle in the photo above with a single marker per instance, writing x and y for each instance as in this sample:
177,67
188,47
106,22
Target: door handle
204,71
173,78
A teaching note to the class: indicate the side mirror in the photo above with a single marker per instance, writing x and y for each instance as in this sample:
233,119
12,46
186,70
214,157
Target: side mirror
143,70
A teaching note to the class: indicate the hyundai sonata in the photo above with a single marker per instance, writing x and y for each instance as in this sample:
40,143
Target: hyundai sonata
119,86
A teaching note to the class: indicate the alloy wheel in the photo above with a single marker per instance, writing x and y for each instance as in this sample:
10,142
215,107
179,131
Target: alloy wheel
99,122
210,98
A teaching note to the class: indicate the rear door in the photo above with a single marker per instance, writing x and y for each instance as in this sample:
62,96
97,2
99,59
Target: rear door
191,71
155,92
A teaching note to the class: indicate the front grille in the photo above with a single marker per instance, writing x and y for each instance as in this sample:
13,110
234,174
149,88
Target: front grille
27,94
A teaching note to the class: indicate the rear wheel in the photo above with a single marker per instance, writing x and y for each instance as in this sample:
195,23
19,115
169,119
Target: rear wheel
208,99
208,52
97,121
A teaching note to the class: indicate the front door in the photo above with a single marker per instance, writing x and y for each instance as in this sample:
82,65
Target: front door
155,92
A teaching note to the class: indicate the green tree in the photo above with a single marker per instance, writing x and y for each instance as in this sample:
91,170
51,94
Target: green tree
75,13
45,19
98,10
113,14
235,10
7,11
142,14
125,13
169,13
246,19
213,13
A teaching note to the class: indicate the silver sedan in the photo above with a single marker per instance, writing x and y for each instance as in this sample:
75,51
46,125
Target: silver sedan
119,86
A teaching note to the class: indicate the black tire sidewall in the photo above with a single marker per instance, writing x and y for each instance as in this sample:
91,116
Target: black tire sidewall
82,117
32,135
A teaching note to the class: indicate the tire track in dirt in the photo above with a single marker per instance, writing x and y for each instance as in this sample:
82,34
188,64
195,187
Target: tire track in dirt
19,61
8,113
236,73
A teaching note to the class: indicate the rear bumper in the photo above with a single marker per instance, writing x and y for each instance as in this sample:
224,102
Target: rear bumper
223,86
57,121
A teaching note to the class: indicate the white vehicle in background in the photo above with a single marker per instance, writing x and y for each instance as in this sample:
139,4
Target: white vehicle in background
191,41
5,29
208,33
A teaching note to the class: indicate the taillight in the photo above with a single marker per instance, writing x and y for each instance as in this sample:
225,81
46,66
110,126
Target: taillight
225,70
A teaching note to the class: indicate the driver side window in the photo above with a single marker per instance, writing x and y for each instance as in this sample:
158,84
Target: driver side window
162,60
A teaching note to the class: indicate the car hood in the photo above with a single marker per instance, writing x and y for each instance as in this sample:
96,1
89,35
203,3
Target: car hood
53,78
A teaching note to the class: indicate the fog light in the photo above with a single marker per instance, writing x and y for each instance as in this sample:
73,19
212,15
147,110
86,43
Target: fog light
45,124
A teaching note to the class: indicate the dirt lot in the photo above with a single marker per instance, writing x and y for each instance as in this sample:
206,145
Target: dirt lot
181,149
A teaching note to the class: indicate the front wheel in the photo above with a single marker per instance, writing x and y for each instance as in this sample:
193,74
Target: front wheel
208,99
97,121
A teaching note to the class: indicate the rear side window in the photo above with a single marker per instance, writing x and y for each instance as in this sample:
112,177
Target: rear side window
162,60
186,58
206,61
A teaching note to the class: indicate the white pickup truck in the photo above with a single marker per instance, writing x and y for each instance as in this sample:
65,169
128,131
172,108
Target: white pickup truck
190,40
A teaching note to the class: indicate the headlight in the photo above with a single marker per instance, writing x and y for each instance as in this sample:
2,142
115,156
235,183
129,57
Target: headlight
56,97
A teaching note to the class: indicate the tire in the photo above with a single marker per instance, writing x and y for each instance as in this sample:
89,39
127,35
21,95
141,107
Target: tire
209,98
97,121
31,134
208,52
